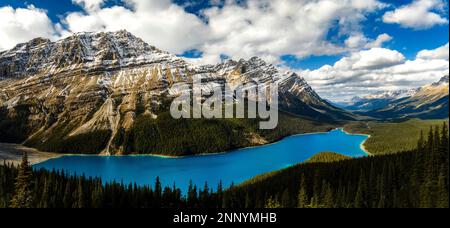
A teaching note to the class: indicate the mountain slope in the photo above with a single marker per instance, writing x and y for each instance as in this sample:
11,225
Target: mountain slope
429,102
93,92
297,97
378,100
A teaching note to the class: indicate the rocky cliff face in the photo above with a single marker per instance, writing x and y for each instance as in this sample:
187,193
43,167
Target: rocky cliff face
99,83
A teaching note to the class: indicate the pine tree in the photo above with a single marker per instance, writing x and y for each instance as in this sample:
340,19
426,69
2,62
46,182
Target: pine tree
421,142
192,195
361,193
204,196
315,201
219,194
23,194
248,201
381,192
303,195
285,199
424,195
437,140
45,198
328,199
157,193
442,194
444,146
81,203
444,137
67,198
272,203
97,196
382,201
430,143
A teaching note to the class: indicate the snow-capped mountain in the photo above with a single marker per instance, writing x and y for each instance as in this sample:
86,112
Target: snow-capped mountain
378,100
104,81
82,51
430,101
442,82
393,94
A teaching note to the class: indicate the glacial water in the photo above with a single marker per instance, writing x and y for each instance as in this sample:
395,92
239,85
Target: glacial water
232,167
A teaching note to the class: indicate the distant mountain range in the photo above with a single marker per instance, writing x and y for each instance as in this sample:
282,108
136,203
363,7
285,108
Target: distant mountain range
427,102
377,100
103,83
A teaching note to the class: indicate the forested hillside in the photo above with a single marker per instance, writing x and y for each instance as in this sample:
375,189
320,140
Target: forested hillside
392,137
416,178
95,97
168,136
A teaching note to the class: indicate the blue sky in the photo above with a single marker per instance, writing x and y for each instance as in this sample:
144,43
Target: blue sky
304,36
406,40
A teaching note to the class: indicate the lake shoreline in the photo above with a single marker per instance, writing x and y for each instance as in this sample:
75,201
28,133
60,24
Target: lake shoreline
362,146
233,167
12,153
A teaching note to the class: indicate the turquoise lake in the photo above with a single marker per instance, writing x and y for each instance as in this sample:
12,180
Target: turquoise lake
232,167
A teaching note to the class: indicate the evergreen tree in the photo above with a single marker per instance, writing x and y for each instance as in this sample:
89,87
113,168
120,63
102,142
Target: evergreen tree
416,178
157,193
97,195
361,193
272,203
442,201
248,202
80,195
315,201
219,194
204,196
67,199
23,194
328,199
421,142
303,195
192,196
424,195
45,198
444,147
286,199
381,192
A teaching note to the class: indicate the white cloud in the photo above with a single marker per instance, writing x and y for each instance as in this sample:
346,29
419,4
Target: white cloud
271,29
369,71
376,58
160,23
359,41
356,41
265,28
381,39
23,24
420,14
89,5
439,53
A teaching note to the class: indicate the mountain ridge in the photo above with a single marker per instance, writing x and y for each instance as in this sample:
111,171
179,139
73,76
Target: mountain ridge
101,84
426,102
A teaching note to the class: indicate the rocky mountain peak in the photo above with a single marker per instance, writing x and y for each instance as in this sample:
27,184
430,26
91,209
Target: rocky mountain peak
103,81
87,50
442,81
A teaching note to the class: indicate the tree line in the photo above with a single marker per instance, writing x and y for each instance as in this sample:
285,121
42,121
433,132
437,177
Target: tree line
410,179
